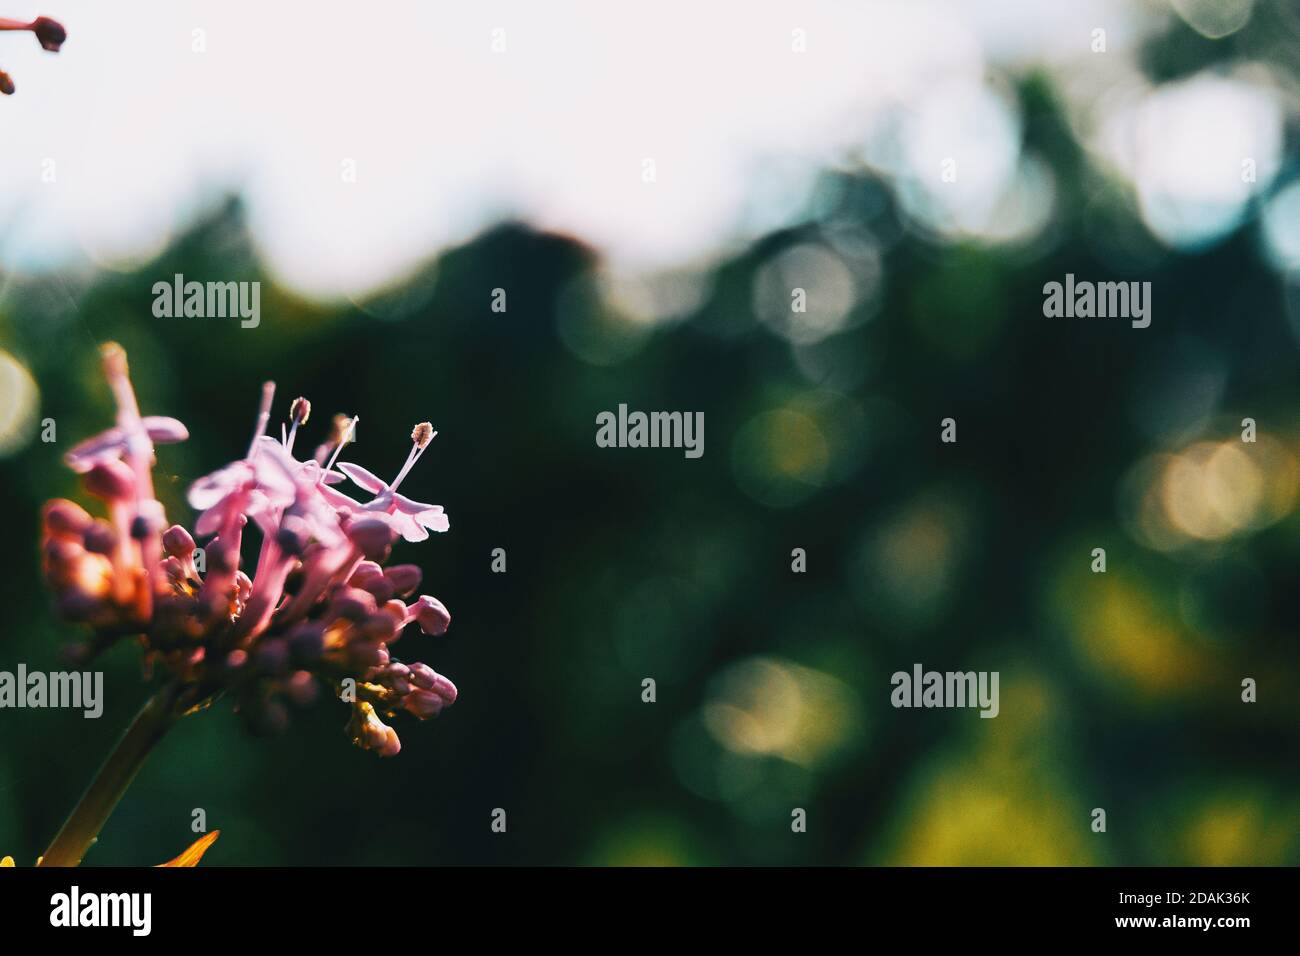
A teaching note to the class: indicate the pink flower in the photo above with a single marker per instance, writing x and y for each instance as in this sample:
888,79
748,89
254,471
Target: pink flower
319,607
413,520
111,444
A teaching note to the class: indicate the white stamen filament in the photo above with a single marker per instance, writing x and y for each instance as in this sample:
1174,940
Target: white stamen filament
416,451
347,437
263,416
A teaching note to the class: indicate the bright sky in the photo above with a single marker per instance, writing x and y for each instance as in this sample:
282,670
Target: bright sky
156,106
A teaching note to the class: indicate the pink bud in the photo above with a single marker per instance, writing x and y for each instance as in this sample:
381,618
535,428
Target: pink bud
365,571
404,577
100,537
178,542
110,480
65,517
372,537
431,615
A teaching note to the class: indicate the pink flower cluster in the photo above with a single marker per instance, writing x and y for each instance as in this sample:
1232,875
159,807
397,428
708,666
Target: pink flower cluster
320,606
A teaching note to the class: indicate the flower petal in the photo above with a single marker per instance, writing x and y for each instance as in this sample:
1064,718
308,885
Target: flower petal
407,526
360,476
210,521
165,430
210,489
85,454
428,516
338,500
412,507
195,852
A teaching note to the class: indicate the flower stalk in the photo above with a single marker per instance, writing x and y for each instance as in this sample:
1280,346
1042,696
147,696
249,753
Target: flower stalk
82,827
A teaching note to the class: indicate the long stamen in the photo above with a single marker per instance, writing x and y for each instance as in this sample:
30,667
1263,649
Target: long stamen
421,435
299,412
263,416
347,437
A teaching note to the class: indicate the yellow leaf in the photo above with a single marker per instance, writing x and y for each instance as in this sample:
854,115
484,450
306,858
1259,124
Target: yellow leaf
7,861
195,853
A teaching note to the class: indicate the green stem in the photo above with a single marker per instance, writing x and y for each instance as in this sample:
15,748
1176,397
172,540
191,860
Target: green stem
82,827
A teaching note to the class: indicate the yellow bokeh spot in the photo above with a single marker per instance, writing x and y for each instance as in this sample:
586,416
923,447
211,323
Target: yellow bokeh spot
19,399
1124,633
770,707
1239,830
1211,491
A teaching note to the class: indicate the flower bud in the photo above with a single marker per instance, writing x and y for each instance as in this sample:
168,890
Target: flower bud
365,571
65,517
100,537
380,587
422,675
306,643
431,615
301,688
424,703
178,542
378,627
370,733
292,535
404,577
372,536
272,657
353,604
111,480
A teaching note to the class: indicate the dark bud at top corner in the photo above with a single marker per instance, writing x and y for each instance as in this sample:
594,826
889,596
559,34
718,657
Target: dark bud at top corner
49,33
